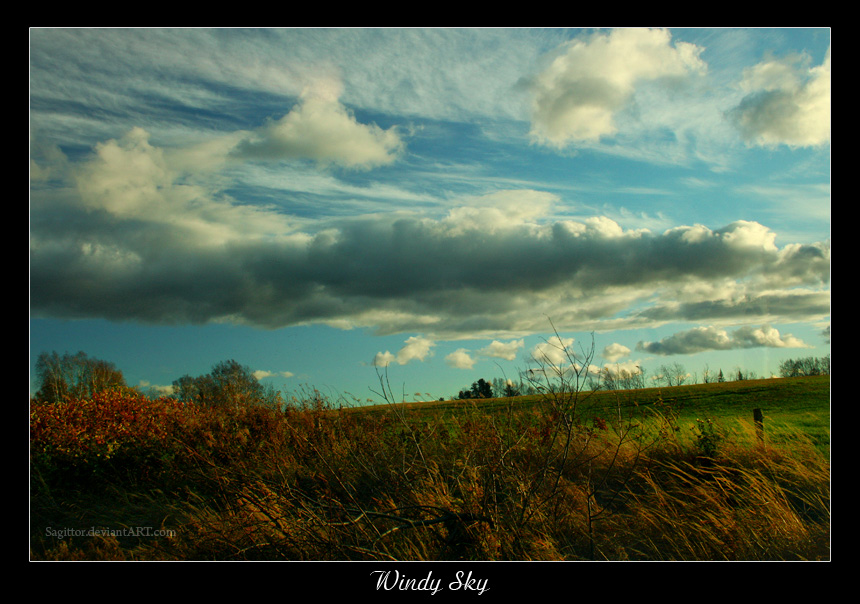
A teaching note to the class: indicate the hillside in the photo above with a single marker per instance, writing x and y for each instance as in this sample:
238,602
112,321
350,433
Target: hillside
800,401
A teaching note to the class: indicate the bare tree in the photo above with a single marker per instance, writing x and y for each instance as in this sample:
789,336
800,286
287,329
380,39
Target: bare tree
674,374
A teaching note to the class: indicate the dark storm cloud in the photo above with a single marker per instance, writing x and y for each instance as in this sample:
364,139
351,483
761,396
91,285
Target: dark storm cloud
787,306
395,273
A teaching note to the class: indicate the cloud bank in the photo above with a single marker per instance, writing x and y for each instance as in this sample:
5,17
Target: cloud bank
138,239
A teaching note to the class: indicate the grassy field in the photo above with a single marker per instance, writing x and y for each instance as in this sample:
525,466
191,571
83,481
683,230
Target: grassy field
790,406
657,474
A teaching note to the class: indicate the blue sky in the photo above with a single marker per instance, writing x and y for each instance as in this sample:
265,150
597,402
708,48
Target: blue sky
319,204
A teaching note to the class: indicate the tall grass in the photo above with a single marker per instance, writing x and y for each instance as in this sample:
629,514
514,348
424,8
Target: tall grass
316,482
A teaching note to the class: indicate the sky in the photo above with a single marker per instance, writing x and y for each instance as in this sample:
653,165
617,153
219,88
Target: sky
438,205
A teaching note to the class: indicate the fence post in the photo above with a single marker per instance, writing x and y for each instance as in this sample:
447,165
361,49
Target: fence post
758,419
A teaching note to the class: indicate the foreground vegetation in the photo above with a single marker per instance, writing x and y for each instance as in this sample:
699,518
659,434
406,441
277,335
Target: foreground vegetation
678,473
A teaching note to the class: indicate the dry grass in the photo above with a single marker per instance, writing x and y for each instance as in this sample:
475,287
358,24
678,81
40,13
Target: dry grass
323,484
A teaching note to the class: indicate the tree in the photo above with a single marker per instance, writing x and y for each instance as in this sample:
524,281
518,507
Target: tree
77,376
805,367
619,378
228,384
511,389
482,389
674,374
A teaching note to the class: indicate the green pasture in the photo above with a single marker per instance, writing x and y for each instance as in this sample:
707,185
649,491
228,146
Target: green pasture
791,407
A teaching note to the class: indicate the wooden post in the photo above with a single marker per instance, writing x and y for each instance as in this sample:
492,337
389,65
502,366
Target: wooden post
758,419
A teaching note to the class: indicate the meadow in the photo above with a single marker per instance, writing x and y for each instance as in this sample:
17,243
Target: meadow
679,473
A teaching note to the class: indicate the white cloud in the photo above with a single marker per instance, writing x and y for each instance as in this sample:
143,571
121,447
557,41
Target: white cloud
615,351
503,350
555,351
135,181
498,211
322,129
460,359
162,390
627,368
701,339
746,234
383,359
788,102
766,336
589,79
262,374
416,348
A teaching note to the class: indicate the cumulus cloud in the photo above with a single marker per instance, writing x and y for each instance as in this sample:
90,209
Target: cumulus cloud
787,102
322,129
383,359
137,183
463,359
586,82
503,350
555,351
625,369
499,211
460,359
615,351
416,348
701,339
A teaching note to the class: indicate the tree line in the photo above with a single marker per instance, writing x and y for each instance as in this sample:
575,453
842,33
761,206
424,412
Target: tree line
229,382
805,366
79,376
495,388
675,374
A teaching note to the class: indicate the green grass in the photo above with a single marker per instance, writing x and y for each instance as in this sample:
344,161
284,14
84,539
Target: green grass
789,405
